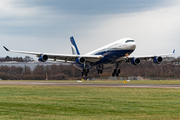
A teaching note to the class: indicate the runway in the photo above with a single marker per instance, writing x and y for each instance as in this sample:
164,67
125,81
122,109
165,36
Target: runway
39,83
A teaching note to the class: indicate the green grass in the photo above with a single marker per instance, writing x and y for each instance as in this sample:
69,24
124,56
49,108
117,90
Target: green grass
52,102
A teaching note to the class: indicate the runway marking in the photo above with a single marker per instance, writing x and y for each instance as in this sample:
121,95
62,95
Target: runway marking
90,84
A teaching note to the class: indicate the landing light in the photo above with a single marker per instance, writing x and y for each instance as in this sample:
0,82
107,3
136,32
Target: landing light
127,54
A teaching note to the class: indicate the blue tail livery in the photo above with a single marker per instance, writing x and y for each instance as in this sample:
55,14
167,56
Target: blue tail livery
74,47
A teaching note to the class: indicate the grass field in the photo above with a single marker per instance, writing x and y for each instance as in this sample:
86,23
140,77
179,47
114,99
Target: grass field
53,102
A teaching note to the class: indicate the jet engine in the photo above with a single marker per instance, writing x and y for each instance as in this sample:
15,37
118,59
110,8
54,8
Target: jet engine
158,60
80,60
43,58
135,61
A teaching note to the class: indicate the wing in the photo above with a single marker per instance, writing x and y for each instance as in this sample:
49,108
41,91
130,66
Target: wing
145,57
64,57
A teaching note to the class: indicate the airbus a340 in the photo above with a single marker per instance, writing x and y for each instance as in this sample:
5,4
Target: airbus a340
114,53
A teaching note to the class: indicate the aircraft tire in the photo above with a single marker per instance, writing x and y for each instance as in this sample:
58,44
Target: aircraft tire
113,74
100,71
115,70
82,74
87,70
117,74
119,71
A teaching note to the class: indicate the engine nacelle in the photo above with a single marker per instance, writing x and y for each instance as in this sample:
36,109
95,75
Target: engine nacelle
158,60
80,60
43,58
135,61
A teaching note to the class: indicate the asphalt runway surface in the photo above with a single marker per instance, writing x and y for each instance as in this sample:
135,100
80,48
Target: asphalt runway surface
39,83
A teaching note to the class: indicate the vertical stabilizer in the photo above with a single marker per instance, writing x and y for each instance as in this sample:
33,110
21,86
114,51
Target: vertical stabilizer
74,48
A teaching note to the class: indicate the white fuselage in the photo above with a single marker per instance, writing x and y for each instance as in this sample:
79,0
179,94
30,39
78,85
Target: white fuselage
112,52
117,45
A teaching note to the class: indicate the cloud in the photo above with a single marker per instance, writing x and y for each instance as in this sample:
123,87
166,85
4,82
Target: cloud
98,7
43,25
155,31
56,17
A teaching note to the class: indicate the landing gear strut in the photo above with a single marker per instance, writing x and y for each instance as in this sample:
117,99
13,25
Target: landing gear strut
100,69
116,71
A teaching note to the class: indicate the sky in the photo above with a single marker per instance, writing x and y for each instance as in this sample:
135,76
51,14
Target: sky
47,25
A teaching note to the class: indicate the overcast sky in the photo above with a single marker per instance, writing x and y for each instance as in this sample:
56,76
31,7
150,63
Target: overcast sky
47,25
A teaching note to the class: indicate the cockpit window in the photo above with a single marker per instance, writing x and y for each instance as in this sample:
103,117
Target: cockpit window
129,41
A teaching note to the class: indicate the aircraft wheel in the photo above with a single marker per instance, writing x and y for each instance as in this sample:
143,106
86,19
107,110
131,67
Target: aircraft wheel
115,70
86,74
113,74
119,71
100,71
117,74
82,74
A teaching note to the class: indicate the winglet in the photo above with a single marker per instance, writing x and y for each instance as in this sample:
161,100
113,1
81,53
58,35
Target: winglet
174,51
6,48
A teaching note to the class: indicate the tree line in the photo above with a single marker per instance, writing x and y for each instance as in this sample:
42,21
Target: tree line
17,59
169,68
40,72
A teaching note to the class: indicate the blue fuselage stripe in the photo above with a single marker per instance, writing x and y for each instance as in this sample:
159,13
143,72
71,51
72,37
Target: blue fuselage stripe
110,56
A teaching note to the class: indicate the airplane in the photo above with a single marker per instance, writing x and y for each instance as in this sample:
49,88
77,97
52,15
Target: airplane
111,54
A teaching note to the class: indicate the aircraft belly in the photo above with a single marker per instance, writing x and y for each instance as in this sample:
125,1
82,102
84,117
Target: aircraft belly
109,57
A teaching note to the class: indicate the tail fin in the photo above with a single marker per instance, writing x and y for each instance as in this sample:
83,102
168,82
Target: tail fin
174,51
75,50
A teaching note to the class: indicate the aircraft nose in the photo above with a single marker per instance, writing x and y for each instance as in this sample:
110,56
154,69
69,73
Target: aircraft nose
132,46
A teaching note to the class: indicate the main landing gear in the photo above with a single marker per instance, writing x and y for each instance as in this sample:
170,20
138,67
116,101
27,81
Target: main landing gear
85,72
100,69
116,71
